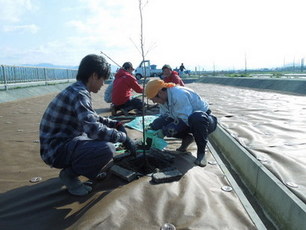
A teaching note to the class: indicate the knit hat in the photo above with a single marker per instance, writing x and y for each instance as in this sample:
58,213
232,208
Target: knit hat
166,67
153,87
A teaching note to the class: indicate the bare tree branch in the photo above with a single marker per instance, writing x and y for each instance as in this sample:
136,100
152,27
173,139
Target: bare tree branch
135,46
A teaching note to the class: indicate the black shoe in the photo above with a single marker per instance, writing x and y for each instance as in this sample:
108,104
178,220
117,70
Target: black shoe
124,111
139,112
101,176
113,109
201,160
73,183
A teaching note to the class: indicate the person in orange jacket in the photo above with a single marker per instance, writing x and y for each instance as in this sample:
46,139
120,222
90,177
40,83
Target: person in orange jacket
124,84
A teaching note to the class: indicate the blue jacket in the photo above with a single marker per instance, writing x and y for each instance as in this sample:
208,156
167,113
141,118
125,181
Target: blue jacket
182,102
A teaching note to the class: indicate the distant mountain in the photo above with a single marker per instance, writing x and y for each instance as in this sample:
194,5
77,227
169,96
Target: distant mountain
48,65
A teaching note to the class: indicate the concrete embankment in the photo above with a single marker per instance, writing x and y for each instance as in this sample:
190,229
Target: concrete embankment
295,86
270,193
27,92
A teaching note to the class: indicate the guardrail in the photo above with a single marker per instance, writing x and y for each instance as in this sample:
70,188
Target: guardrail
16,76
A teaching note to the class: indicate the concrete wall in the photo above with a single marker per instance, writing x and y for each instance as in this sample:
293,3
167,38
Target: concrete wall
22,93
296,86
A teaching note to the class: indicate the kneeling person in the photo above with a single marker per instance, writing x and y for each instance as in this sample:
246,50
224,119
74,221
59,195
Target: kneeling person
184,114
124,84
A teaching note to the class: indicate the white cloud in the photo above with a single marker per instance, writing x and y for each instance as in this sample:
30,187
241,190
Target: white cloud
12,10
21,28
108,27
200,33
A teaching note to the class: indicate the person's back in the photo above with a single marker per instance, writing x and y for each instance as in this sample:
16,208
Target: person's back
182,102
181,70
51,133
182,67
108,92
123,86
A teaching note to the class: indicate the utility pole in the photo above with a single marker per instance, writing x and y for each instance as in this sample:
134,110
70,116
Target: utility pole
293,66
245,63
302,65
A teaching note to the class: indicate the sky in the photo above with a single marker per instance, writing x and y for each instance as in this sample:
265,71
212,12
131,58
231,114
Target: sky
202,34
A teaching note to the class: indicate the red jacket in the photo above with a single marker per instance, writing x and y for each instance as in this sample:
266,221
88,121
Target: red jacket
175,78
123,86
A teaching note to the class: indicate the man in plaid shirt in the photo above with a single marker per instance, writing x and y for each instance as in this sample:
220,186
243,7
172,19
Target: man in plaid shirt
73,136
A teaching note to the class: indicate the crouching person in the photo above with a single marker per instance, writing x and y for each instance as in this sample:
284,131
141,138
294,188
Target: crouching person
73,136
184,114
124,84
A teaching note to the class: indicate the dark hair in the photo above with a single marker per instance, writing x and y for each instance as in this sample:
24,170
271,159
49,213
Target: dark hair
127,65
91,64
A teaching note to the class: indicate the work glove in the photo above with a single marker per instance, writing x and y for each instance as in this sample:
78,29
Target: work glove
160,133
130,145
120,127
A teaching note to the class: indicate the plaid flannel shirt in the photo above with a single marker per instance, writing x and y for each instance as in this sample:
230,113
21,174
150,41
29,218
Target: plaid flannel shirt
70,114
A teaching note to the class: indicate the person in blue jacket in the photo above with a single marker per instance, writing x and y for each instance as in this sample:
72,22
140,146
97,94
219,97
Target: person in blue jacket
183,114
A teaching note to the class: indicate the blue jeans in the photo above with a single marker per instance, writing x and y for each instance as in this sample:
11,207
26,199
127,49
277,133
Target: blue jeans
84,156
170,127
201,124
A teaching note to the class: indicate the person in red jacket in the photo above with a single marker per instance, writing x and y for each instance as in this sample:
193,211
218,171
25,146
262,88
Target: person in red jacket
171,76
123,86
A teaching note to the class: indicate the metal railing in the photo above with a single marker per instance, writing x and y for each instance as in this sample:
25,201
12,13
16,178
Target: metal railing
20,76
